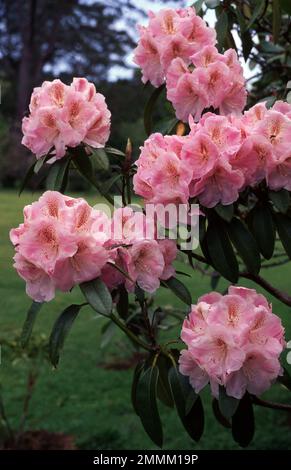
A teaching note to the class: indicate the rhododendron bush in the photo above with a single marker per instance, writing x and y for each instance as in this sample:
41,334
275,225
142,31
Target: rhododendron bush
231,159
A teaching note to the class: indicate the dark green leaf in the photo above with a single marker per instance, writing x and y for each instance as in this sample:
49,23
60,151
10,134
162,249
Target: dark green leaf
107,332
285,379
136,375
146,404
98,296
243,422
258,10
193,421
100,159
227,405
166,126
221,28
245,244
217,413
283,224
280,199
60,330
215,277
286,6
39,163
122,303
107,185
221,251
164,390
29,323
114,151
148,112
225,212
27,178
263,229
247,44
179,289
57,174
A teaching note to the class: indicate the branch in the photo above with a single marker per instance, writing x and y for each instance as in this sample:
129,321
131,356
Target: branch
271,404
282,296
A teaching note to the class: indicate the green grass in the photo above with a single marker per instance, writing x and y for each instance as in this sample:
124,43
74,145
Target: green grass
90,402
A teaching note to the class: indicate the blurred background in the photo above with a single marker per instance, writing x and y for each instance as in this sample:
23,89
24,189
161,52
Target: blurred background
86,402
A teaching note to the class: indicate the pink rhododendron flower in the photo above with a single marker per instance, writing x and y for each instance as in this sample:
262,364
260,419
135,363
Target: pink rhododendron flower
214,80
64,242
63,116
233,340
170,34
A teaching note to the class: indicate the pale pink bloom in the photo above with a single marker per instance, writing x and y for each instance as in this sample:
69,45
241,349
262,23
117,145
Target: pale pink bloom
172,47
235,99
233,341
205,56
222,133
39,285
222,184
198,378
99,130
148,264
188,96
127,226
177,70
257,374
201,154
276,128
147,57
84,265
279,175
254,116
87,89
169,251
283,107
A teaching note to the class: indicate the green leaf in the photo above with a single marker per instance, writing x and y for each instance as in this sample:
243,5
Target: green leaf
227,405
212,3
285,379
136,375
283,224
286,6
245,244
60,330
98,296
146,403
225,212
39,163
114,151
243,422
28,175
258,10
214,280
263,229
198,5
122,303
100,159
107,332
57,174
276,20
29,323
218,415
221,27
179,289
221,251
247,44
107,185
166,126
149,108
280,199
193,420
164,389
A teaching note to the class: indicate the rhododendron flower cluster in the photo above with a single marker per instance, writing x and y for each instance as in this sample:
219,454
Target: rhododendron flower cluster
170,34
234,341
63,116
64,242
178,46
213,80
220,157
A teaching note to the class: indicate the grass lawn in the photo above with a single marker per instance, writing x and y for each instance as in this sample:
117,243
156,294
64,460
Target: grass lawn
93,403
